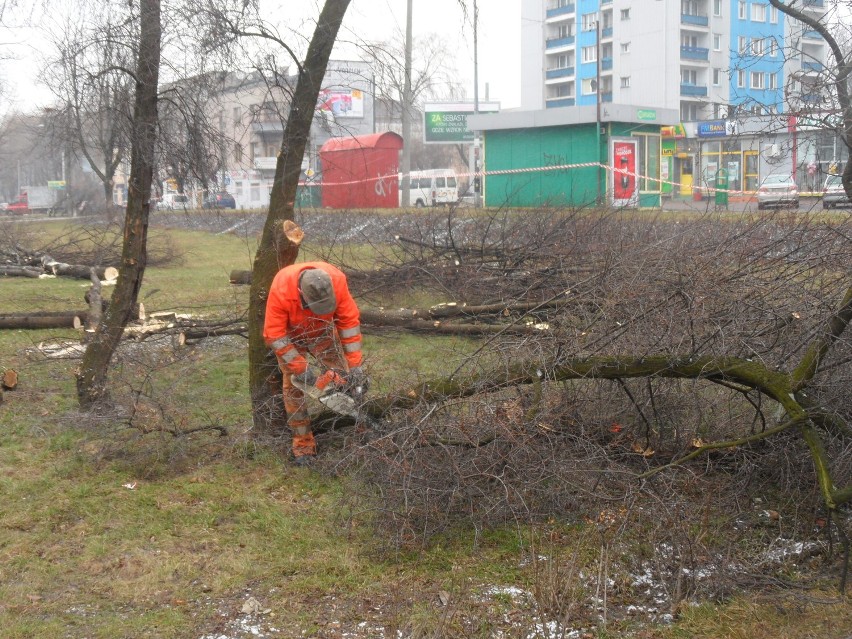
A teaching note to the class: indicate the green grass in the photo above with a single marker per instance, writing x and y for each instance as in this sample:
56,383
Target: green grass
210,520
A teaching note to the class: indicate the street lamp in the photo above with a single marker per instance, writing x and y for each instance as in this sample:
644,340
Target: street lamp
477,196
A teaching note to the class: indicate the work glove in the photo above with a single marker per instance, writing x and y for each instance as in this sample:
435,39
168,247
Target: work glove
357,382
308,377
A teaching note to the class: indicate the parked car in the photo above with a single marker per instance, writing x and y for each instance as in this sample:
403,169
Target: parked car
219,200
173,202
778,191
833,194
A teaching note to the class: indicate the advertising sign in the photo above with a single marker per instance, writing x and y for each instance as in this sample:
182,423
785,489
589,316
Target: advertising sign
446,123
624,186
342,103
712,129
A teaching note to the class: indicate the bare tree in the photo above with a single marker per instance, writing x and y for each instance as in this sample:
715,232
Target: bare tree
91,80
837,77
92,374
225,28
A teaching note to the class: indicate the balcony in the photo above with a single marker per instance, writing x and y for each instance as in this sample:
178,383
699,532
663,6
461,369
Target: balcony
812,67
694,20
606,64
811,98
555,103
693,90
694,53
555,43
564,72
811,35
813,4
560,11
606,32
606,96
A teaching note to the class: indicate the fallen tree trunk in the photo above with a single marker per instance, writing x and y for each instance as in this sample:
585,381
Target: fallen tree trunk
20,271
51,319
240,277
409,320
43,319
80,271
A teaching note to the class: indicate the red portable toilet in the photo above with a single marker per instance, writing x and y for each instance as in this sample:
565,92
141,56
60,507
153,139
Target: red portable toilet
361,171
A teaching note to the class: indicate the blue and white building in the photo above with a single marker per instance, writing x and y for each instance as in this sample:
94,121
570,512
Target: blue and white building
732,84
708,59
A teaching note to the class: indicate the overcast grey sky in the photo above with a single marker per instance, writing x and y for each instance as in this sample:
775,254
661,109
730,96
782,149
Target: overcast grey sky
499,43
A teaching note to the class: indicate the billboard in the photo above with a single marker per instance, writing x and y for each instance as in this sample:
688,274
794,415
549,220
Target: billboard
446,122
624,187
342,103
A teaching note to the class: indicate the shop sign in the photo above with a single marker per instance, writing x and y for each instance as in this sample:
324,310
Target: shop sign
447,123
676,131
712,129
646,114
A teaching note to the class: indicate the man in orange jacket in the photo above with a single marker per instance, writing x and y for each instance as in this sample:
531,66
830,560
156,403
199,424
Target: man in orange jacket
310,310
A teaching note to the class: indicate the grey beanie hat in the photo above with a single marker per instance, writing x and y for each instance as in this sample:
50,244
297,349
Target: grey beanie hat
317,291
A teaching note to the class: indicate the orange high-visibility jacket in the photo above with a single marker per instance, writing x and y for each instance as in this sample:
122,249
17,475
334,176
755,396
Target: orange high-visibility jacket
290,329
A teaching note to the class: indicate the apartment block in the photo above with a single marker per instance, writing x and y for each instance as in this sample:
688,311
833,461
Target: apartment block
706,59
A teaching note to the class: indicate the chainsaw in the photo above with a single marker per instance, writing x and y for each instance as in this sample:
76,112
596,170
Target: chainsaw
328,391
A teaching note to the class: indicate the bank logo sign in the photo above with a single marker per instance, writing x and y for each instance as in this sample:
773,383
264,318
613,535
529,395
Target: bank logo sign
446,122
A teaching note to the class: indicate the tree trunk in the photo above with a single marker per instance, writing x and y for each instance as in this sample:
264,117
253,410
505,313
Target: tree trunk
92,375
264,386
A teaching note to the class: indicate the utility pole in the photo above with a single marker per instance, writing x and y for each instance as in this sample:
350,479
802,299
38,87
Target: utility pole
476,142
405,168
598,104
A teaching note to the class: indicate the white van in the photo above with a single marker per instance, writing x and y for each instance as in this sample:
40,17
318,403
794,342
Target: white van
173,202
432,187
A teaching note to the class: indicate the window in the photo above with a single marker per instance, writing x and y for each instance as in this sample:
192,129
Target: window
773,80
717,42
758,12
689,7
238,152
625,14
773,15
742,45
717,77
589,86
741,79
688,111
590,21
758,80
688,76
648,161
773,47
590,54
741,12
625,47
238,116
717,7
757,46
625,82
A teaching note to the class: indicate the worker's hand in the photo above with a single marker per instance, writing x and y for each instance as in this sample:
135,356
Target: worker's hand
308,377
357,381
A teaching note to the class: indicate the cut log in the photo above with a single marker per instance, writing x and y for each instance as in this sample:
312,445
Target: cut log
9,379
95,302
46,319
81,271
240,277
20,271
42,320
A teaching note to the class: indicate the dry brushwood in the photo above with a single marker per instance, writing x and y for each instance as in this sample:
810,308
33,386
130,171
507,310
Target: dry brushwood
679,337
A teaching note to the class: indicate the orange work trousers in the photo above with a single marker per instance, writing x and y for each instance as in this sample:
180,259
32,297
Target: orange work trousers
330,356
